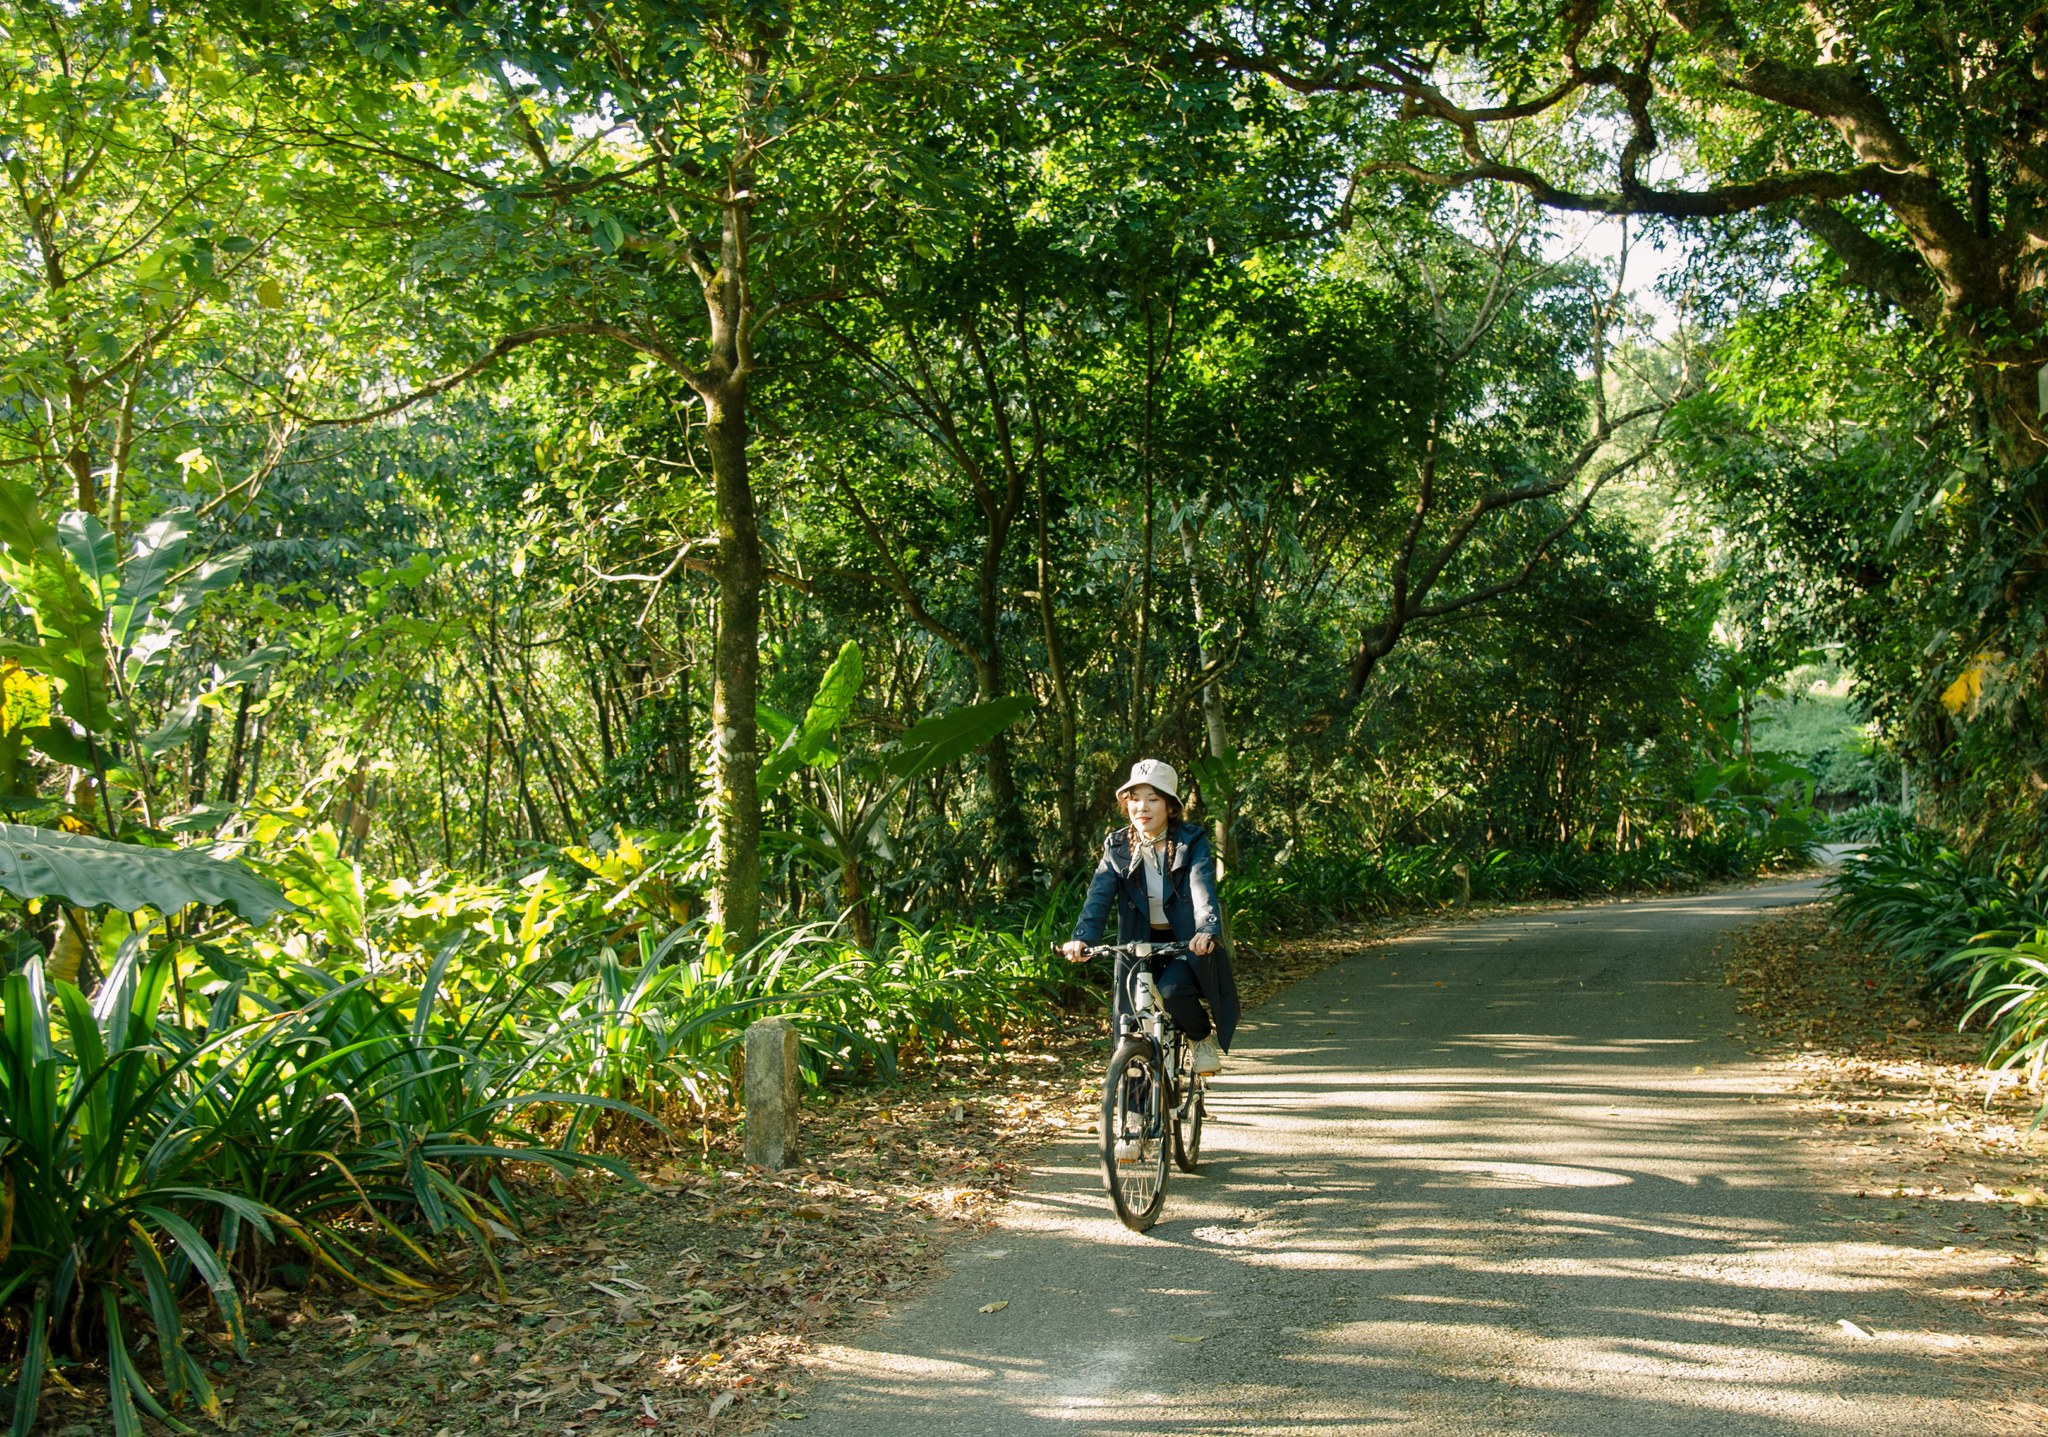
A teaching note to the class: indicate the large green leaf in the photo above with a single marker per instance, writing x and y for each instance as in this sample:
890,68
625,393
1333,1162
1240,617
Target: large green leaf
810,741
178,608
91,547
954,734
36,565
89,872
837,692
158,551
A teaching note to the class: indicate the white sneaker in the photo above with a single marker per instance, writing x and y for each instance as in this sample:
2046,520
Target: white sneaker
1208,1057
1129,1152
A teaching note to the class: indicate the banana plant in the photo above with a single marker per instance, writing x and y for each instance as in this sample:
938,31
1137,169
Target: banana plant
103,623
88,872
844,809
100,624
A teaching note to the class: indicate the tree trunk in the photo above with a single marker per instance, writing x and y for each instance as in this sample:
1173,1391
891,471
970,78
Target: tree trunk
1140,698
484,825
1012,831
231,779
196,759
1215,721
678,744
736,670
1065,762
536,829
441,783
853,897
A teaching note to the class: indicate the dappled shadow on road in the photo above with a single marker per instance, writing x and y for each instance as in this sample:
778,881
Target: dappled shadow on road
1573,1228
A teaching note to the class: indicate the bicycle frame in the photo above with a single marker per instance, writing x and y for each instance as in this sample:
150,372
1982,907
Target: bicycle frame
1141,1128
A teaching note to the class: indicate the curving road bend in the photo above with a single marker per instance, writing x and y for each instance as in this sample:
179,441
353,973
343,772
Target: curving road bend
1505,1178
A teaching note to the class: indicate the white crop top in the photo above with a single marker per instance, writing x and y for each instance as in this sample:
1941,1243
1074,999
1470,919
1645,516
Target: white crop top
1155,883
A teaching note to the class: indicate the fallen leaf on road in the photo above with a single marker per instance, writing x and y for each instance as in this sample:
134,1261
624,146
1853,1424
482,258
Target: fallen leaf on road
1854,1331
996,1306
722,1401
1178,1338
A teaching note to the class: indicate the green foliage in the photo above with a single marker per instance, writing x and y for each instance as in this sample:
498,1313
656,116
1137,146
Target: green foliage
90,872
198,1110
1931,907
1972,930
2009,995
1859,506
41,570
1884,823
1297,891
352,1083
850,795
103,1181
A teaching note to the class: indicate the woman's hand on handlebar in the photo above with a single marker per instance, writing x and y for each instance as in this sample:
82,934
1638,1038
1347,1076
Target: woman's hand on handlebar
1076,950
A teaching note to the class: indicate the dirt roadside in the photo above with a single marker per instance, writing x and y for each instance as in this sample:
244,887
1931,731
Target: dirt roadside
1921,1142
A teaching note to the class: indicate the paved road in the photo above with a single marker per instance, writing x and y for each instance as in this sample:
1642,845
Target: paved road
1505,1178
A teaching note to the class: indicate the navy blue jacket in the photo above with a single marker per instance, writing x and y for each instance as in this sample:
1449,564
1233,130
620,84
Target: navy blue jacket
1191,907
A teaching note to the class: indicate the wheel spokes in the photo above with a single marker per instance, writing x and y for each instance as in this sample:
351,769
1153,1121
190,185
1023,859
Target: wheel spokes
1138,1179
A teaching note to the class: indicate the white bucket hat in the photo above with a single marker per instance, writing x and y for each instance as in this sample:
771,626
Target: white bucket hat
1150,770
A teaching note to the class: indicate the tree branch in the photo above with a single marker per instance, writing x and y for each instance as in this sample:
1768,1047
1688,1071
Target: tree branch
1890,271
519,340
900,582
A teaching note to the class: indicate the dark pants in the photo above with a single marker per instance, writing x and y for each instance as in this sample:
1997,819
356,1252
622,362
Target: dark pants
1177,985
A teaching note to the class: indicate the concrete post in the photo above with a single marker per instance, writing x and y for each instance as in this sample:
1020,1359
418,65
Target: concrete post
774,1087
1463,873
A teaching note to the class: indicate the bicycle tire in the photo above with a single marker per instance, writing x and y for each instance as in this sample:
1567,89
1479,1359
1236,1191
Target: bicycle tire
1188,1114
1132,1112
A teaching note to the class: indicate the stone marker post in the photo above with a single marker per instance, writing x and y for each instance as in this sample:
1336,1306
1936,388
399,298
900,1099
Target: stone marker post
773,1088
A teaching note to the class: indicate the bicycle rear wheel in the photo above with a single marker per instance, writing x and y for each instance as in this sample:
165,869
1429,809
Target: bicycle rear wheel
1134,1138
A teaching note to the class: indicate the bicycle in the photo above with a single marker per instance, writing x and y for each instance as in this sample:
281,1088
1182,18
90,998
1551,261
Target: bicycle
1153,1100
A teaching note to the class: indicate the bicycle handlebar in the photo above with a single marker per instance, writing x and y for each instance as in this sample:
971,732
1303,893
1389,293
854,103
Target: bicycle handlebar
1140,949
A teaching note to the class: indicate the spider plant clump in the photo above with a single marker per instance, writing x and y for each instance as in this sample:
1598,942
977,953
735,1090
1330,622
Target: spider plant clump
1968,929
1935,909
267,1119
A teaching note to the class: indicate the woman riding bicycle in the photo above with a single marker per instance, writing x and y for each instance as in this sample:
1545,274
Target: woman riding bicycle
1161,874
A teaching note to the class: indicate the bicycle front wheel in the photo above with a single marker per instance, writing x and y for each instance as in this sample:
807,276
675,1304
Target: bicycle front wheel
1135,1145
1187,1117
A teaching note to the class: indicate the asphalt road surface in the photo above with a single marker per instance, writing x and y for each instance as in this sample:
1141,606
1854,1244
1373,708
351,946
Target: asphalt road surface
1502,1178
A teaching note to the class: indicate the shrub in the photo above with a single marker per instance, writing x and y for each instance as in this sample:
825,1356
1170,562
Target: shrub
1932,908
348,1087
1972,928
1300,889
1867,823
2009,991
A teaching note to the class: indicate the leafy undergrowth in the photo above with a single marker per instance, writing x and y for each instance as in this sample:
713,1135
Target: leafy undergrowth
675,1309
683,1308
1937,1149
